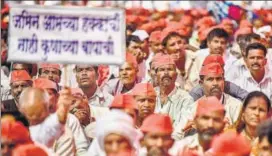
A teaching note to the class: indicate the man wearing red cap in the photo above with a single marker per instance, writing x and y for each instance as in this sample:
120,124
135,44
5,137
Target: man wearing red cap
50,71
175,45
212,81
145,97
171,99
127,77
73,141
230,88
209,121
86,76
20,80
157,129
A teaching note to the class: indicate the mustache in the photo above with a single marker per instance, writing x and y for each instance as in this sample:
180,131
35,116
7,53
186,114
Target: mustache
166,76
216,88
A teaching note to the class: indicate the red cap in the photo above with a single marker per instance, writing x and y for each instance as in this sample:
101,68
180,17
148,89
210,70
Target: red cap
50,65
123,101
211,69
230,142
157,123
155,36
15,131
208,21
168,30
19,75
213,58
44,84
187,20
208,104
203,33
28,150
131,59
164,60
143,89
148,27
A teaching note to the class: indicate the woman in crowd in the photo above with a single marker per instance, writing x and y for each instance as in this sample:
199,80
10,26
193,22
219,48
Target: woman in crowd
255,110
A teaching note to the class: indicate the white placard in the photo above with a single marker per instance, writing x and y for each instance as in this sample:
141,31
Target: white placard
66,34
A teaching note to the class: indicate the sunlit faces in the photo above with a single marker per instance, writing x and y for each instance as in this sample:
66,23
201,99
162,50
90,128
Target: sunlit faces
217,45
175,46
17,88
255,112
158,143
52,74
115,143
166,74
213,85
86,76
146,105
135,47
210,124
128,73
256,60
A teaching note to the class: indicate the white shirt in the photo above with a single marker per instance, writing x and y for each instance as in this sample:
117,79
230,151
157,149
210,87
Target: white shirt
48,131
81,141
247,82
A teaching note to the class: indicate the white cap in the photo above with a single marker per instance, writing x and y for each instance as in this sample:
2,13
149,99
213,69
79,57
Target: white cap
142,34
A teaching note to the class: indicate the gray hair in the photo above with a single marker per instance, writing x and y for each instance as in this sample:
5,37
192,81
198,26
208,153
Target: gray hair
30,92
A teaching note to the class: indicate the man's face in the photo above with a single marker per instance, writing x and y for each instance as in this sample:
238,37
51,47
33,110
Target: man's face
175,45
156,47
115,143
20,66
166,75
80,108
52,74
17,88
7,145
86,76
265,148
146,105
217,45
213,85
255,112
127,73
256,60
158,143
135,47
210,124
229,29
53,98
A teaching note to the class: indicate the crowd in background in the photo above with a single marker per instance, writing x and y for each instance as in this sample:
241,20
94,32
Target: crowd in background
193,84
